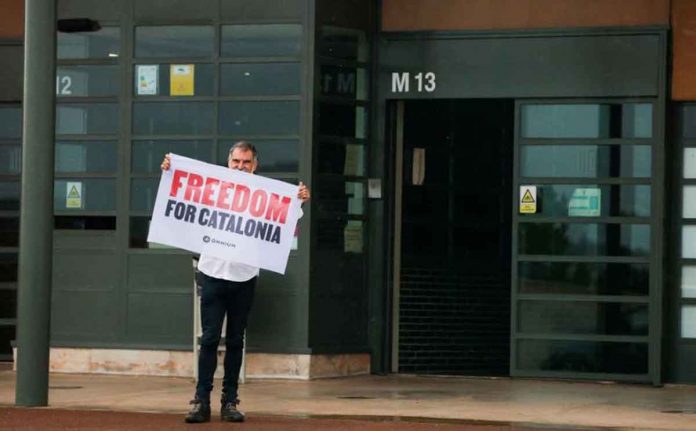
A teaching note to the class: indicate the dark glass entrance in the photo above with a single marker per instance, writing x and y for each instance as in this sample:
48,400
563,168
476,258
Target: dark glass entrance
453,300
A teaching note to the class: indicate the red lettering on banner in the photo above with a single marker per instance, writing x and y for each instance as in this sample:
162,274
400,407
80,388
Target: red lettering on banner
277,208
193,188
223,195
240,202
176,182
258,203
209,190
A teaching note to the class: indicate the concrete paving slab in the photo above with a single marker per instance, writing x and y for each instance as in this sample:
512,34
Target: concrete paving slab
517,401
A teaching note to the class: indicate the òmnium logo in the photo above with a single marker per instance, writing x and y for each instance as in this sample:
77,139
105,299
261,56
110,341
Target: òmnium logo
207,239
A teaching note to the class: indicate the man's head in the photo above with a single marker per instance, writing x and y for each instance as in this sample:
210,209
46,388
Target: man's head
242,157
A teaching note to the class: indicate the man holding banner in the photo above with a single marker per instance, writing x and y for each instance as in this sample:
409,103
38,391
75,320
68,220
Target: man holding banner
236,222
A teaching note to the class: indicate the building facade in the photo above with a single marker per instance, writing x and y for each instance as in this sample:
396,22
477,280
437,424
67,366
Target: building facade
500,188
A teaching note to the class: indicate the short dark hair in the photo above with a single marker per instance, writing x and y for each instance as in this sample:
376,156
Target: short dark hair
244,146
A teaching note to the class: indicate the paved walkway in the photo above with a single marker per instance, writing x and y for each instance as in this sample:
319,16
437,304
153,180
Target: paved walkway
509,401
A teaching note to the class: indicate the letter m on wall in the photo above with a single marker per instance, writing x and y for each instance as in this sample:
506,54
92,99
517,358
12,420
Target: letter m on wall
399,82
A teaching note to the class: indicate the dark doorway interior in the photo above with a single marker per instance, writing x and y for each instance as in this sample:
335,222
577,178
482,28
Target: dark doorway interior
454,314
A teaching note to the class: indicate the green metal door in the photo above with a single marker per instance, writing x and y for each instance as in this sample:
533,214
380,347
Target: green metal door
587,249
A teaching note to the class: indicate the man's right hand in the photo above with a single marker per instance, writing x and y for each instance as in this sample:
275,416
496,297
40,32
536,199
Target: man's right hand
166,162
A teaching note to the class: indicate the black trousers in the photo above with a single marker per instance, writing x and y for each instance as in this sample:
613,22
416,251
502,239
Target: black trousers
219,298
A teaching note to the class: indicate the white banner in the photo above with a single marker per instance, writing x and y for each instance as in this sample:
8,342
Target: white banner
225,213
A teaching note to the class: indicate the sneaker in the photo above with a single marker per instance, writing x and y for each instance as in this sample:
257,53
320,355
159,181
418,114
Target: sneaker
229,412
200,412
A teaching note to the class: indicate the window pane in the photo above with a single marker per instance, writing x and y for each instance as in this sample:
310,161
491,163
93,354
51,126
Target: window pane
593,201
342,120
103,43
10,122
259,118
87,119
340,196
174,41
689,162
173,118
143,193
82,156
584,239
336,234
637,120
8,304
583,356
343,81
585,161
84,222
261,40
344,43
72,81
565,121
147,155
689,121
9,195
584,278
9,231
203,80
10,159
273,156
688,321
260,79
343,159
595,318
688,281
8,267
689,242
689,202
95,195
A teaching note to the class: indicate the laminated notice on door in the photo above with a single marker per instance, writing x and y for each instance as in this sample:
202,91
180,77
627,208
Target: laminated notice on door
73,195
528,199
181,79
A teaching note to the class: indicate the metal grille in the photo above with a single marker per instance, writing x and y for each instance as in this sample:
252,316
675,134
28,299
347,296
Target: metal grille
453,323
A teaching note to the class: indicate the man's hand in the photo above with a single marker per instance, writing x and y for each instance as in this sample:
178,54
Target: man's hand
303,193
166,162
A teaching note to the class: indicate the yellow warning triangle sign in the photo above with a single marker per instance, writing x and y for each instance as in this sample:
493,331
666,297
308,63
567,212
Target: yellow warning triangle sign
73,194
527,198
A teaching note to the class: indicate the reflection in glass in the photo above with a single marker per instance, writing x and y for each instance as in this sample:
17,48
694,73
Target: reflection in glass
689,162
340,196
688,240
688,281
174,41
342,159
147,155
103,43
582,356
9,195
637,120
97,194
356,198
10,122
688,321
143,193
83,156
273,155
585,161
593,318
261,40
8,267
80,81
84,119
84,223
343,81
341,236
139,228
344,120
259,118
10,159
689,202
584,278
203,80
344,43
9,231
689,121
260,79
560,200
582,239
173,118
